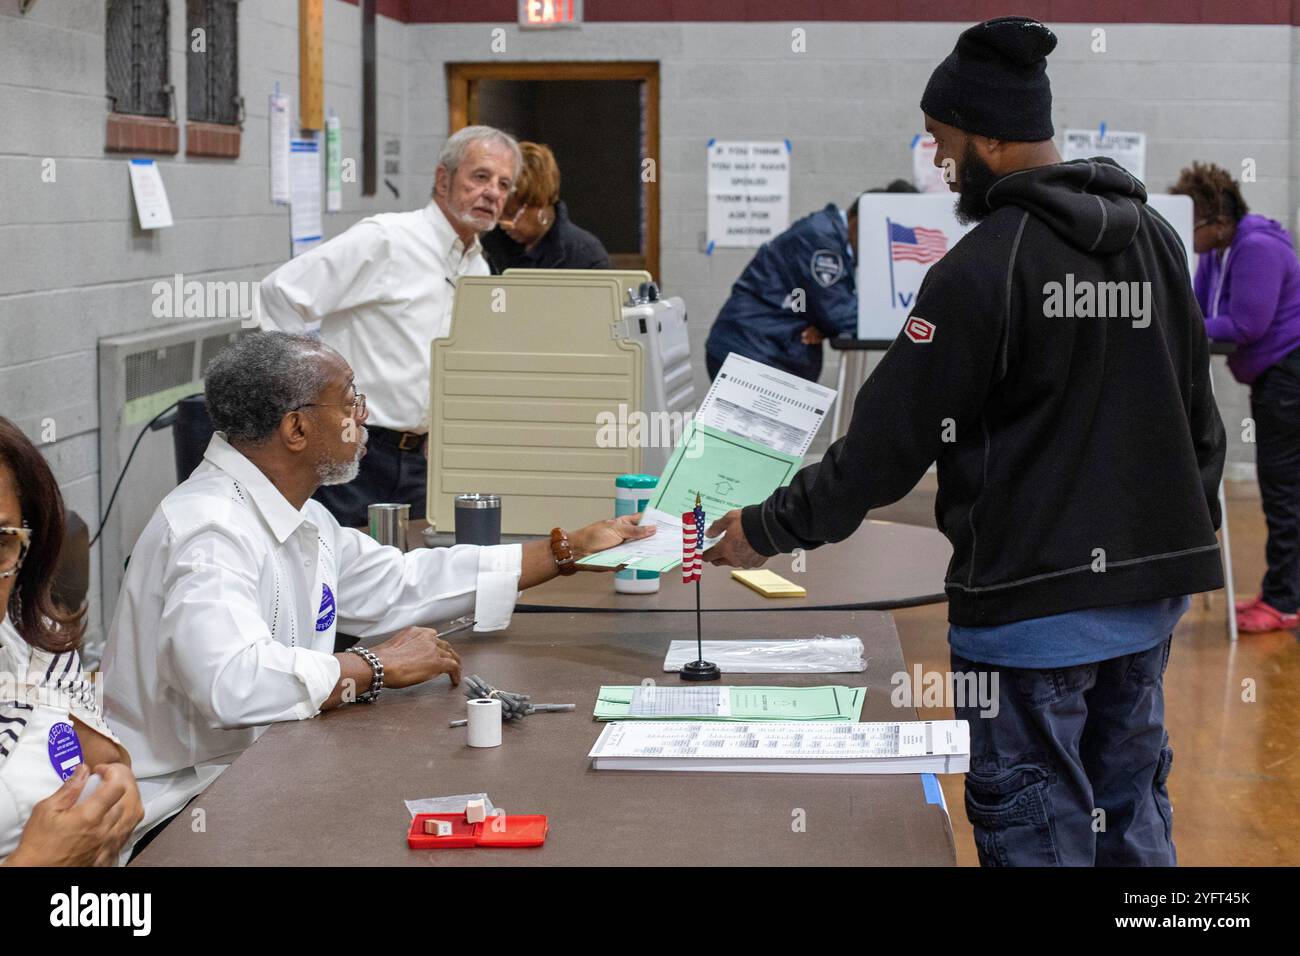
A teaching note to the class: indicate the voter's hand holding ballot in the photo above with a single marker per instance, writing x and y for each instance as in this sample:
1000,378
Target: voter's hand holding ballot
747,439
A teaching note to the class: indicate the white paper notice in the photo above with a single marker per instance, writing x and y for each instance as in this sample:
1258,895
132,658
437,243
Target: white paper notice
279,148
749,192
1127,149
150,195
305,193
926,177
751,400
333,165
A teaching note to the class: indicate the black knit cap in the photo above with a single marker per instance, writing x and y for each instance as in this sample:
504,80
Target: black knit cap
994,82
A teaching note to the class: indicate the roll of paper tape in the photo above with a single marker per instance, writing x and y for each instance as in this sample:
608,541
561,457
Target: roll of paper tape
484,722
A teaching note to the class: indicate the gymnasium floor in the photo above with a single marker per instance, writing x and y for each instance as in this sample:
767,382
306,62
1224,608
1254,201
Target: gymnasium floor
1235,783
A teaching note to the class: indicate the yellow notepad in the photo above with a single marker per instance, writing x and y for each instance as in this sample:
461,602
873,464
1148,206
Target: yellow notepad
768,584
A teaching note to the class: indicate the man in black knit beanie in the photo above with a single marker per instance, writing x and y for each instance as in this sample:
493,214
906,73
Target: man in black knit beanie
1056,368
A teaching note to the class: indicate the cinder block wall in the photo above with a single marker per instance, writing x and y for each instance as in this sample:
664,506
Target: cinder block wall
76,266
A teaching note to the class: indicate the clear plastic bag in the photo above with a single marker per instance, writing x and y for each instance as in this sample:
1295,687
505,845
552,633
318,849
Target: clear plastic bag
453,804
811,655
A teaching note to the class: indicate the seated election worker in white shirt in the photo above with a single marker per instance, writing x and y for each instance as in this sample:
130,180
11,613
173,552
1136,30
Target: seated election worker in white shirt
52,736
381,293
233,594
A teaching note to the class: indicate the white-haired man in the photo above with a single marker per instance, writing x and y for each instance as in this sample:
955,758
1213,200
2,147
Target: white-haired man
381,292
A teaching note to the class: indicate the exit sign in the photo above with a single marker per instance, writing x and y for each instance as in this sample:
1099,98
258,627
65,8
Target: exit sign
548,14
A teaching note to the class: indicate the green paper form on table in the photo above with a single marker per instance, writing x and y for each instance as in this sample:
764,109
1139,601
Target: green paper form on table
727,472
835,702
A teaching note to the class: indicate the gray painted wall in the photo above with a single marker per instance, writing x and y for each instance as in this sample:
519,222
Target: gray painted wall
76,267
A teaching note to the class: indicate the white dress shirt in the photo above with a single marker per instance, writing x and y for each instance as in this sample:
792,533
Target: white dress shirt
228,612
38,690
382,292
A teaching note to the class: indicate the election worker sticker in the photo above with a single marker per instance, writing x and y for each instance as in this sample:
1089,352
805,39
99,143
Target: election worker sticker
326,615
65,750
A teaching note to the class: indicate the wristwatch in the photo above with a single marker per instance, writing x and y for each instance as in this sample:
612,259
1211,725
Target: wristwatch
376,666
562,552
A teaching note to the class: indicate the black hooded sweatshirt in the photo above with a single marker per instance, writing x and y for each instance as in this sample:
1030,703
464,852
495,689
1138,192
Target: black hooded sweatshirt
1079,451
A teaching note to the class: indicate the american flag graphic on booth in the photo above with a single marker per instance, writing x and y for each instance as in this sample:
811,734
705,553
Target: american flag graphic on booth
692,544
916,244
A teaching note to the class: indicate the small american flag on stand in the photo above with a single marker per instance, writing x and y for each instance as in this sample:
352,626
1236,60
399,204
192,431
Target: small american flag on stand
693,543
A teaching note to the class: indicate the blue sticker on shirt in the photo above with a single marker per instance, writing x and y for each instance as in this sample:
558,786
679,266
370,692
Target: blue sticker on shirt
65,750
326,616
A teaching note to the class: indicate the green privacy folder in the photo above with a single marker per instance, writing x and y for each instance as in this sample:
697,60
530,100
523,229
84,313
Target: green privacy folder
835,702
726,471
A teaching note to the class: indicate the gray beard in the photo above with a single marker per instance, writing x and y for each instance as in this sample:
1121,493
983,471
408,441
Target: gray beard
337,472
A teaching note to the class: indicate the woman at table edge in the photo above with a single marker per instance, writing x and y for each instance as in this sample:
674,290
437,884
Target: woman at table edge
42,820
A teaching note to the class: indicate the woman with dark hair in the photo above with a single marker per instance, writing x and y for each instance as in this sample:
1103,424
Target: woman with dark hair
51,731
1248,287
535,231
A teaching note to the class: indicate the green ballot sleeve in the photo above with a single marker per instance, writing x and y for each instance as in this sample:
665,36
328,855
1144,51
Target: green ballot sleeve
727,471
835,702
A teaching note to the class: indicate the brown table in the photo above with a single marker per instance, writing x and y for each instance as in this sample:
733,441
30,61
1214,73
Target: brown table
883,565
329,791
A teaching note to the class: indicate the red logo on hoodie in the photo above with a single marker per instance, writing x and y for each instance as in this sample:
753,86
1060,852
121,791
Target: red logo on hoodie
919,330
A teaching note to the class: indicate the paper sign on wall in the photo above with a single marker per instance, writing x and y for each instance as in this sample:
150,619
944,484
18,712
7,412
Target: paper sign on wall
1127,149
749,192
305,191
150,195
926,177
279,148
333,165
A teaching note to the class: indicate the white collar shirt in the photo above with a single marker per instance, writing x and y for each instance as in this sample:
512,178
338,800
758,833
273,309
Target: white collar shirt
381,293
228,614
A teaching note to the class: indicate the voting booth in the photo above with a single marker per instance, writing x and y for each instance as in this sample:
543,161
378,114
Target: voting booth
901,235
519,390
660,325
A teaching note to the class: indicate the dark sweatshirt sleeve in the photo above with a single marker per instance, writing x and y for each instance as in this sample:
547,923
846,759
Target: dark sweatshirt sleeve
899,416
1258,268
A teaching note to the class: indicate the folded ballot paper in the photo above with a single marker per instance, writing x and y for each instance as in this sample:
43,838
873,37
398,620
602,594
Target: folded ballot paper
747,439
656,702
922,746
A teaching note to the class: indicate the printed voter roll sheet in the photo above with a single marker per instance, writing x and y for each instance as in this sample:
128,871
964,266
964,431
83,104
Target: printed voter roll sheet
150,194
766,405
922,746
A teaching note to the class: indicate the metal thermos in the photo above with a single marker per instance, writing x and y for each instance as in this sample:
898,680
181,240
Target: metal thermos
478,519
388,523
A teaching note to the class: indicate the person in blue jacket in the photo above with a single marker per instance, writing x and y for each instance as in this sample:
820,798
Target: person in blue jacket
797,290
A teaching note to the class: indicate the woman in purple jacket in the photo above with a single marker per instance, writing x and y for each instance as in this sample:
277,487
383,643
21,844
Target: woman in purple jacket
1248,287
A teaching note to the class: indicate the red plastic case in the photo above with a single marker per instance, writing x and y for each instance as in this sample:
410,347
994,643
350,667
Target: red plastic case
519,831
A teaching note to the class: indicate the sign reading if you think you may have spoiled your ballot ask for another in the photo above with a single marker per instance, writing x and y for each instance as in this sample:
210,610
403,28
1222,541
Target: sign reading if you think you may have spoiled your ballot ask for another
749,192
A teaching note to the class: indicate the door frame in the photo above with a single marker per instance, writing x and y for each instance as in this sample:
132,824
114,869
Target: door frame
463,111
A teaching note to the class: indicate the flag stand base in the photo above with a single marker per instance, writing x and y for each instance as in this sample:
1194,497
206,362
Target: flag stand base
700,670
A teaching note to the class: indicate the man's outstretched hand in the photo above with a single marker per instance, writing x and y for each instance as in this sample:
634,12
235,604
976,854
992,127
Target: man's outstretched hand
601,535
734,549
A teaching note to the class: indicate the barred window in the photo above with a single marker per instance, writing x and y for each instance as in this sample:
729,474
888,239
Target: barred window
212,74
136,55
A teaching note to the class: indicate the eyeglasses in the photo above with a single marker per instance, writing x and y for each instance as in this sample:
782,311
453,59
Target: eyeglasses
358,406
14,543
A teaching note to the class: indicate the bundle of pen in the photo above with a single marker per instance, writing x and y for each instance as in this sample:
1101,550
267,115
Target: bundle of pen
513,706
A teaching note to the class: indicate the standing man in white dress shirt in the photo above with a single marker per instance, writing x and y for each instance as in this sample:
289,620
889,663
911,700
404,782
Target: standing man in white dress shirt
381,292
229,607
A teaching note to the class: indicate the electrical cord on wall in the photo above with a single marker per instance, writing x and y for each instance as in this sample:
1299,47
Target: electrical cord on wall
155,424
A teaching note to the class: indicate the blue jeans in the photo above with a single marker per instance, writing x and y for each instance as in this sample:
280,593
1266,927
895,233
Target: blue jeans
1066,743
